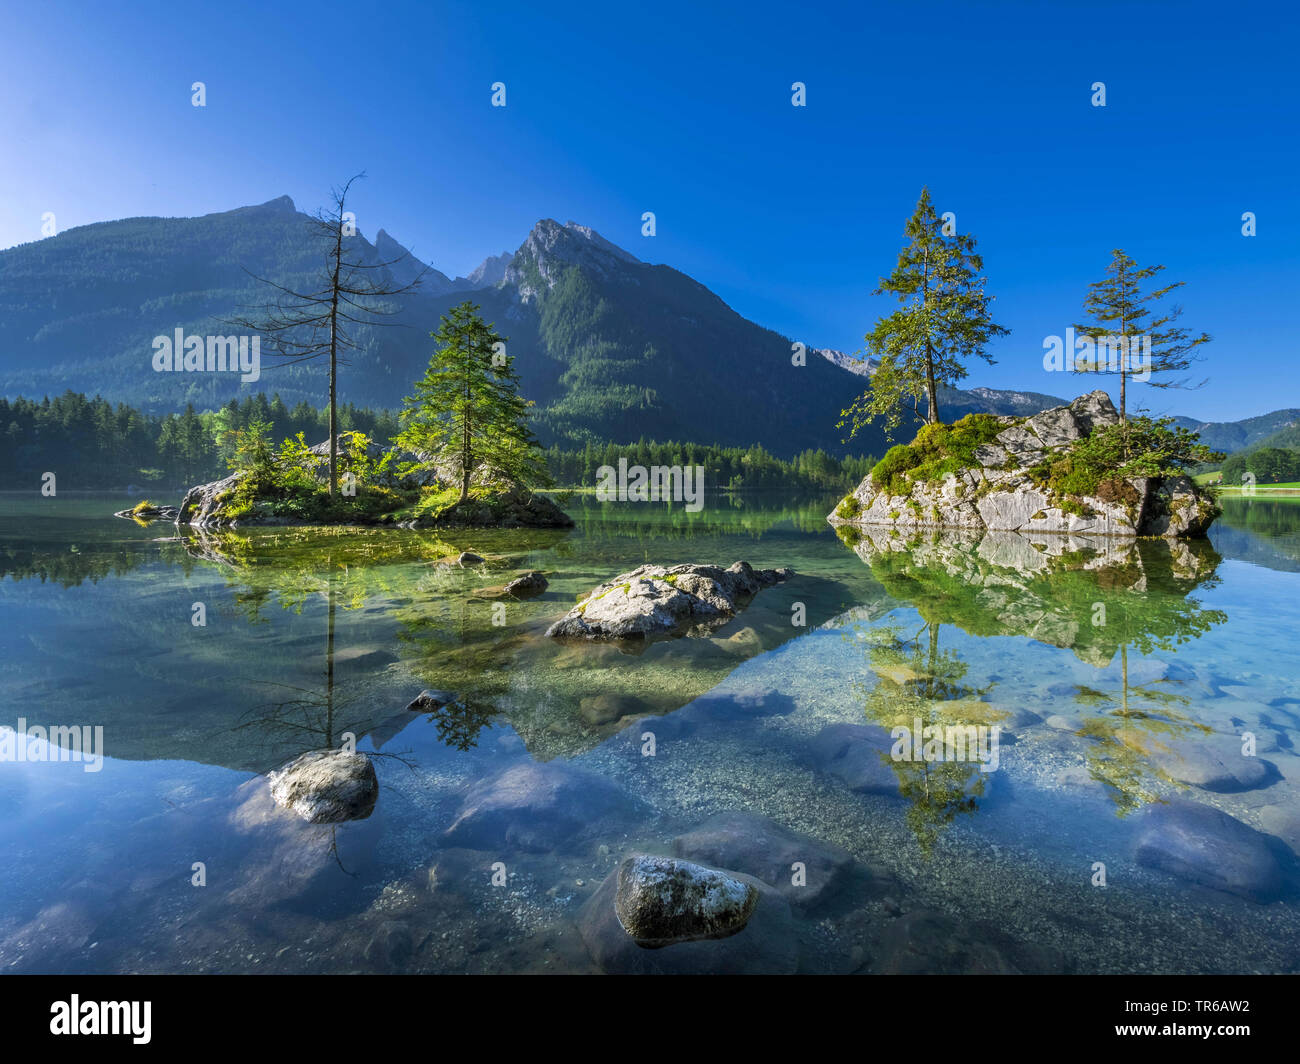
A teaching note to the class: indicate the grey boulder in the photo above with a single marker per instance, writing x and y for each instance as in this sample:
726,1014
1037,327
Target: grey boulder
327,786
657,600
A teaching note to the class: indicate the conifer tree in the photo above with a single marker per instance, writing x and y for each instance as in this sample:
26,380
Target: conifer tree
944,321
1122,317
467,412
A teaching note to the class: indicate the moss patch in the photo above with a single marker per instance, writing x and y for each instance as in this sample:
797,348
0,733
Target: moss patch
937,451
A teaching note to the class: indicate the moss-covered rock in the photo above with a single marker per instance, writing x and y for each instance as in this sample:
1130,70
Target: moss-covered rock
1068,469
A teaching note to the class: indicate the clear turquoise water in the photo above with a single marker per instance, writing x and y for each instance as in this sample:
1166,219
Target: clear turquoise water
95,629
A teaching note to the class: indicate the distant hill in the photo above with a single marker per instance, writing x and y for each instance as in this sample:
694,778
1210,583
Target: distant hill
1251,432
609,347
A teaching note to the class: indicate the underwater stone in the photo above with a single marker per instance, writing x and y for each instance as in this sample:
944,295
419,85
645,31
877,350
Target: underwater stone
662,900
533,583
536,806
765,850
1201,844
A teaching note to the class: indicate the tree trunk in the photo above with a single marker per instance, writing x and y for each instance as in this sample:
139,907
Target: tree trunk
334,311
466,460
1123,385
931,392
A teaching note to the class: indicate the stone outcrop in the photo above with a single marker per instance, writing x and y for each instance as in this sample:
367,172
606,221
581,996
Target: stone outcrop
657,600
203,504
999,491
393,477
513,506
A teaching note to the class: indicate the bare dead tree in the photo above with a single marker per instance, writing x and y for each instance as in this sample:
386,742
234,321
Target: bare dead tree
321,322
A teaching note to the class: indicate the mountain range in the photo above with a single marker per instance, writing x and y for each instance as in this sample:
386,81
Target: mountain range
609,347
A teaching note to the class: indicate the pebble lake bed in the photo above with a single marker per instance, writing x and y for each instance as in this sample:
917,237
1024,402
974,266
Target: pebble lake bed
721,798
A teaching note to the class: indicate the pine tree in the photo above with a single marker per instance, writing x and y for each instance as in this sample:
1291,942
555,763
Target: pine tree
467,412
944,321
1121,315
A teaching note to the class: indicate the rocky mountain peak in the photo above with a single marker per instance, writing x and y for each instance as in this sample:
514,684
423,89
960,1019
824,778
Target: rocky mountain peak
859,364
551,247
491,271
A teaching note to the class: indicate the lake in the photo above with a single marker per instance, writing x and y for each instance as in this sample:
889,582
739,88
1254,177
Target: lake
1138,809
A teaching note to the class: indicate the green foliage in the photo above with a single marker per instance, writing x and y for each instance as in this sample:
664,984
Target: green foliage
725,467
944,322
288,482
96,446
1139,447
467,411
1271,465
937,451
1122,312
251,451
848,508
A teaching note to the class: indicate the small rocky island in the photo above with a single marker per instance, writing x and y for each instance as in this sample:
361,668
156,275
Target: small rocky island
381,494
1053,472
657,600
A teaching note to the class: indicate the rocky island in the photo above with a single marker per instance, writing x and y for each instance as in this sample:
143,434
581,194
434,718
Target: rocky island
291,489
1074,469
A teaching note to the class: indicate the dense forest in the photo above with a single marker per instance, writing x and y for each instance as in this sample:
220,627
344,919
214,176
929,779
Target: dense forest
94,445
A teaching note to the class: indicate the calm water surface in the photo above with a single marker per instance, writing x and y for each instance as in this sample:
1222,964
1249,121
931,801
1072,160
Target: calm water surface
1124,678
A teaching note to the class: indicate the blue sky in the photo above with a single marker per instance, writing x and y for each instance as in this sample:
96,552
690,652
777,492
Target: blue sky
789,214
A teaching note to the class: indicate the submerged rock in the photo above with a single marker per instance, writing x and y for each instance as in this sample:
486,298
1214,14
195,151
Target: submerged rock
660,900
926,942
327,786
759,941
536,806
1004,488
1212,764
656,600
1203,845
767,851
528,585
292,858
857,754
